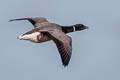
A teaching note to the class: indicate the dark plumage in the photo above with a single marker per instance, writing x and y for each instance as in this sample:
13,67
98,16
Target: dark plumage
44,31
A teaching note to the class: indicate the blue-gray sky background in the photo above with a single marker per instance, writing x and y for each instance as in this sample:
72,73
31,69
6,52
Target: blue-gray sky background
96,52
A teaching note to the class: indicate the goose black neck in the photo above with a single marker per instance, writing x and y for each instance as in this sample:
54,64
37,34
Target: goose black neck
73,28
67,29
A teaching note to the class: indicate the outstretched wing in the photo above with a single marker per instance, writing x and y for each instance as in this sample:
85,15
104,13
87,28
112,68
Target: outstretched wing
29,19
63,43
33,21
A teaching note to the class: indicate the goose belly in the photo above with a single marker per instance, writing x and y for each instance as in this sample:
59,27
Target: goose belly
42,38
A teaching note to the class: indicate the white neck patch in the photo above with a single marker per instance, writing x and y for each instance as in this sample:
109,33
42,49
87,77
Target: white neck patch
74,29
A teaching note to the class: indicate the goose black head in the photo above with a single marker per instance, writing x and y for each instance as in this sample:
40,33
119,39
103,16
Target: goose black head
80,27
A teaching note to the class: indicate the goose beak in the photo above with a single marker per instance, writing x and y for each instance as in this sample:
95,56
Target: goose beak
86,27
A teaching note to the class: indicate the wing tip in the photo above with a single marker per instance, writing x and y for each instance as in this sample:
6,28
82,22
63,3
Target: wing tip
10,20
19,19
65,65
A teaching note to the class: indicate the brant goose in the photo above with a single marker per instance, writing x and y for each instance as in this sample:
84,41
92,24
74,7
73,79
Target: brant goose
45,31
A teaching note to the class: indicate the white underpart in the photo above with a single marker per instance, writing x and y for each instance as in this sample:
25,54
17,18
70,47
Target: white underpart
31,37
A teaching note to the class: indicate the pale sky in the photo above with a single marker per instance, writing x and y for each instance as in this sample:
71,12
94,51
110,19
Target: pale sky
96,51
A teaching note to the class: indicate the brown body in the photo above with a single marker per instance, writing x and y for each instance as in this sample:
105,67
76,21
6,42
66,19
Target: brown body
45,31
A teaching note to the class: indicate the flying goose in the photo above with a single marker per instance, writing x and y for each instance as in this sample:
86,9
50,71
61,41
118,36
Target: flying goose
45,31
